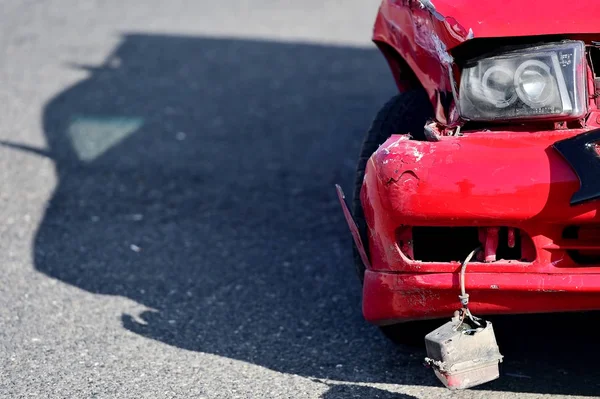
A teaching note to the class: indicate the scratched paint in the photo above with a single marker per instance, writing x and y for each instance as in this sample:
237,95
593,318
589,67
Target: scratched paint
418,155
441,50
431,8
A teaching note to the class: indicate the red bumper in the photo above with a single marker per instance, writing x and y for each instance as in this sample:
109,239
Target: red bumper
514,180
390,297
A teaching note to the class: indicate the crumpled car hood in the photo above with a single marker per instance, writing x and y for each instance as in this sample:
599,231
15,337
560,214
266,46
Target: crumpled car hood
496,18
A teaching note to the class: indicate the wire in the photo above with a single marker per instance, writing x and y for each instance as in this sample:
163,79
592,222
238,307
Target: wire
464,297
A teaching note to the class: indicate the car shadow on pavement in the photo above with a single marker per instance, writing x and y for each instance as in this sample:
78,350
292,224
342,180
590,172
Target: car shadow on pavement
349,391
196,177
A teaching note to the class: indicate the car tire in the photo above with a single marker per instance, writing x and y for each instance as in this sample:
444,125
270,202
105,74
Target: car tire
405,113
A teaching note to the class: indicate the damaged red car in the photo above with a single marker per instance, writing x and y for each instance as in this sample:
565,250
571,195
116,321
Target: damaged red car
484,170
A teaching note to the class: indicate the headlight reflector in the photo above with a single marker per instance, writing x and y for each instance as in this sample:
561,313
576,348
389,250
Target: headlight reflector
535,84
541,82
498,86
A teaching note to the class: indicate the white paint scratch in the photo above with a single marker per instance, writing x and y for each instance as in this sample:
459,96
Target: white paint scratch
417,154
441,51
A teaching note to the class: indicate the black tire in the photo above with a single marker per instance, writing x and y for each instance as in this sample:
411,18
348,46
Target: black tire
405,113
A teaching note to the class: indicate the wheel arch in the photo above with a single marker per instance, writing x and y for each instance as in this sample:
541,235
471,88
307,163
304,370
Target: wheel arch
404,76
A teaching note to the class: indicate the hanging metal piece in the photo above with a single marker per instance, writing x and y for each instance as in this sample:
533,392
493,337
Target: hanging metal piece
463,352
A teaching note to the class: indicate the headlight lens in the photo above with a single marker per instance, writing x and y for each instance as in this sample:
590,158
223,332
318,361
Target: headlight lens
540,82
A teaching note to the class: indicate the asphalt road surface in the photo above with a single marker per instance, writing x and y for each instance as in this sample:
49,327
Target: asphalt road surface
168,220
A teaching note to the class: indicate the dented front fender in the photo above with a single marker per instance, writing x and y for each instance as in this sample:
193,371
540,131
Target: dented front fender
422,38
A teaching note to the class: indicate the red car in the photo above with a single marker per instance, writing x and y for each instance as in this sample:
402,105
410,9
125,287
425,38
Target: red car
490,144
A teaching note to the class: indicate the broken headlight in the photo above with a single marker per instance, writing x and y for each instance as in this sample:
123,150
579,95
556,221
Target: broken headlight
540,82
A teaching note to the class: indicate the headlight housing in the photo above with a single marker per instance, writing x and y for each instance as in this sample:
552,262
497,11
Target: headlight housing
543,82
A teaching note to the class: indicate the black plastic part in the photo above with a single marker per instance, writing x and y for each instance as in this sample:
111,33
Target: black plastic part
580,153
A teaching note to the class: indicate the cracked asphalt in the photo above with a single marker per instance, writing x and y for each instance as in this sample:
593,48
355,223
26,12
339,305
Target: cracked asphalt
168,220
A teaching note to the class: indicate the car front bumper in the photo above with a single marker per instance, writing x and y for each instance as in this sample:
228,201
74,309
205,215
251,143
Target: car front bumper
483,180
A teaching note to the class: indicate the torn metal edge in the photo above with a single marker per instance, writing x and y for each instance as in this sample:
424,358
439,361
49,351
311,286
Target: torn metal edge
431,8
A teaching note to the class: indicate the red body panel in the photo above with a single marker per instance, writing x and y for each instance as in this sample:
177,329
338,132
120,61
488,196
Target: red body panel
513,179
391,298
522,18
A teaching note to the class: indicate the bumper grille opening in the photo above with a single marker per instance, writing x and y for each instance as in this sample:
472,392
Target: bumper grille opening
444,244
582,244
453,244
